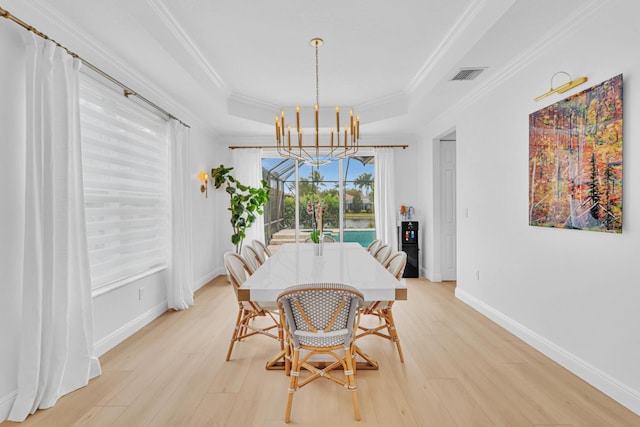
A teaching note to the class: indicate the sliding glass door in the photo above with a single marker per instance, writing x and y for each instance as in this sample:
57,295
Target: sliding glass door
343,189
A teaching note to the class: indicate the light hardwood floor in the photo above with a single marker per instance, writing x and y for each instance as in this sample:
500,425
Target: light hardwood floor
461,369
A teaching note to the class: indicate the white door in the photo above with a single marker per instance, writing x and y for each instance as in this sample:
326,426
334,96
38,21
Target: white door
448,209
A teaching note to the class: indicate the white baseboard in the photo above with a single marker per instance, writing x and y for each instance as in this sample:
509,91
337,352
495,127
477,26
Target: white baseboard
612,387
115,338
6,403
203,280
121,334
432,276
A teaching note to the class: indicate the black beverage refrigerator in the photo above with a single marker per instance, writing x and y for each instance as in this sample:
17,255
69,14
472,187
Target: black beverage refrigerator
409,244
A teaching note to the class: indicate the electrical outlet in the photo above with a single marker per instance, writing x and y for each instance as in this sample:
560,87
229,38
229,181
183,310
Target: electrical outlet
140,293
477,274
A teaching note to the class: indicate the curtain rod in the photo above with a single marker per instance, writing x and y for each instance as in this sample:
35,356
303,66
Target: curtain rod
127,91
234,147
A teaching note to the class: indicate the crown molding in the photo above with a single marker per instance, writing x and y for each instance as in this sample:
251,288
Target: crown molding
383,139
251,108
529,55
386,107
445,45
248,107
398,98
185,41
268,140
242,99
92,48
241,140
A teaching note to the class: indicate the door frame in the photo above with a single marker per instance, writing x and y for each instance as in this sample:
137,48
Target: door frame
438,200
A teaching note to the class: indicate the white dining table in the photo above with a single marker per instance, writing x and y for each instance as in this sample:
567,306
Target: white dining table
347,263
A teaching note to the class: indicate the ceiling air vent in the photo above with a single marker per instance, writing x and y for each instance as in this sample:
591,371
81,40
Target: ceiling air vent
468,73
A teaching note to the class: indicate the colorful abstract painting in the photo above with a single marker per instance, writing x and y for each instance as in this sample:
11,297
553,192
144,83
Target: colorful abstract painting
575,161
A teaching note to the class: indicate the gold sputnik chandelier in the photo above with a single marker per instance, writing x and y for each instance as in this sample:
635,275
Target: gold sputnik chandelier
339,143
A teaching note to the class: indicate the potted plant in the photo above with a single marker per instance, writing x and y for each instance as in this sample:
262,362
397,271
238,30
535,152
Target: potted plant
315,236
317,210
245,202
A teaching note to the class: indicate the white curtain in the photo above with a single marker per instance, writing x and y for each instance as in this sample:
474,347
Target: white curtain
384,201
56,328
179,290
247,168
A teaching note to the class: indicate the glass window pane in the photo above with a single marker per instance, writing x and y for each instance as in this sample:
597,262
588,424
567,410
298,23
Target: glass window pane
320,186
359,215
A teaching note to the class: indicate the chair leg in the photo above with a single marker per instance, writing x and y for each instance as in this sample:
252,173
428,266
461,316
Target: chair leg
393,333
236,331
242,327
280,323
351,380
293,382
288,354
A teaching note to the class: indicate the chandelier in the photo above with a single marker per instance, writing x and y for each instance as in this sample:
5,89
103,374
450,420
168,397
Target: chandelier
337,144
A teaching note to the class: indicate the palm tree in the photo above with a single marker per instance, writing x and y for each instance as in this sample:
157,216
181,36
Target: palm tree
305,187
316,179
364,181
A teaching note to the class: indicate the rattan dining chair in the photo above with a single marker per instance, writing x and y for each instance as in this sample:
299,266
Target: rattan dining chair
325,239
374,246
248,311
396,263
261,248
321,319
383,310
382,254
252,257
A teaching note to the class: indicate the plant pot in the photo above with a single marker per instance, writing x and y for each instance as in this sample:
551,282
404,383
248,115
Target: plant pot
317,249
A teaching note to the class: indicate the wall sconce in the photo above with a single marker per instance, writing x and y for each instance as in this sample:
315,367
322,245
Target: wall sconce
204,179
562,88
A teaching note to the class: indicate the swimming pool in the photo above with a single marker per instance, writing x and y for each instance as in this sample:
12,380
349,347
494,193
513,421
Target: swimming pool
362,236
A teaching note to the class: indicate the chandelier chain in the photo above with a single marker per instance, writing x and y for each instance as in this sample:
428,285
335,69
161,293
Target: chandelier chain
317,103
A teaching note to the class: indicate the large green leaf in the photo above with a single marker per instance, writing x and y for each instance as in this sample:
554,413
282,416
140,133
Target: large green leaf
244,201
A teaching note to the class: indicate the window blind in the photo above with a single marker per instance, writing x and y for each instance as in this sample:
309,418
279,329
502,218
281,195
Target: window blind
124,150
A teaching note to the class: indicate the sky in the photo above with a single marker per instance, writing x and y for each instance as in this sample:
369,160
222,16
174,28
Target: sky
353,167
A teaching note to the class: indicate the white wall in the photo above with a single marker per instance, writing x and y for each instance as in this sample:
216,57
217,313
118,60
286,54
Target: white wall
572,294
409,185
210,216
407,166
